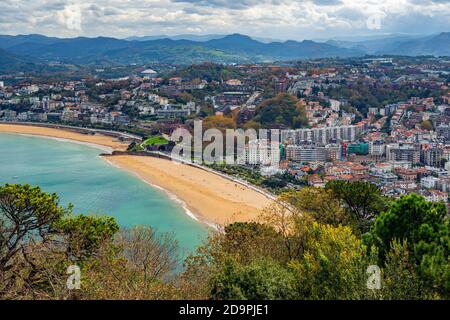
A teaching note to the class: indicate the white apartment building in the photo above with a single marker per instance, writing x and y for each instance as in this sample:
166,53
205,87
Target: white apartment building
262,152
323,135
306,153
23,116
403,152
334,152
382,168
31,89
373,111
335,105
271,170
69,115
9,115
94,119
429,182
377,148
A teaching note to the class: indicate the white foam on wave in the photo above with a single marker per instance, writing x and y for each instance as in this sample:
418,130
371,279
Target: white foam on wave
183,204
110,163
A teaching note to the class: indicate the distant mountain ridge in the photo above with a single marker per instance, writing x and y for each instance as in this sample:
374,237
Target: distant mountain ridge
235,48
435,45
190,37
231,48
194,37
438,45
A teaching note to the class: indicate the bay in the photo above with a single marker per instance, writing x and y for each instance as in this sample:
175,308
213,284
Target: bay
79,176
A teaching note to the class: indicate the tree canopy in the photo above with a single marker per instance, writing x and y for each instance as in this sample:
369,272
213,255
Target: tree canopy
362,199
284,110
425,227
307,245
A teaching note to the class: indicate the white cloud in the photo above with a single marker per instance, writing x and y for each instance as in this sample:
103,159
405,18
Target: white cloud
294,19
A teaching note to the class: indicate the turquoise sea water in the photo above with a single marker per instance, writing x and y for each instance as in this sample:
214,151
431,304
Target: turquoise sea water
79,176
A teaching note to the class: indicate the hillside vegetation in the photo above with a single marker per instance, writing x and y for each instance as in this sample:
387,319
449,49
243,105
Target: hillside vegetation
319,246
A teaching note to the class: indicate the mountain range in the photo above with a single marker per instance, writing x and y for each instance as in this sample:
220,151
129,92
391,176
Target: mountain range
433,45
195,37
24,50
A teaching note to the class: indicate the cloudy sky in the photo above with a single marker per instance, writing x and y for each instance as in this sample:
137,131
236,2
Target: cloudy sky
280,19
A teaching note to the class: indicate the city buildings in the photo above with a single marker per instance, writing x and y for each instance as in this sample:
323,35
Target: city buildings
400,144
403,152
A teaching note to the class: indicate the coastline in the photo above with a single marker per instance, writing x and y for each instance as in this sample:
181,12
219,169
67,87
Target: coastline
213,200
103,148
97,139
205,196
172,196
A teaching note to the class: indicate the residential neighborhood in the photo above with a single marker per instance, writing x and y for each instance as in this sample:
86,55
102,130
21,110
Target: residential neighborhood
332,126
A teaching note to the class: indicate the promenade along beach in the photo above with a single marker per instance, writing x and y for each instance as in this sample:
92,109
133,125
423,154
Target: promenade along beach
210,198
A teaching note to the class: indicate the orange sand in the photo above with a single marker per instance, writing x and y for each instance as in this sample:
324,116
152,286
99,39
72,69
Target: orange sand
98,139
211,198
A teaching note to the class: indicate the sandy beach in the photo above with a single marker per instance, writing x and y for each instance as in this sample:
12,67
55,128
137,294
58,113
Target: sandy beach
211,198
97,139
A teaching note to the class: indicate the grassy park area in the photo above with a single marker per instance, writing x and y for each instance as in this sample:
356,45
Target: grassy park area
155,140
